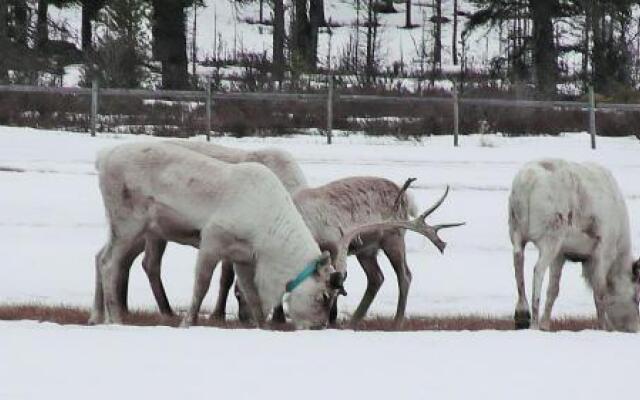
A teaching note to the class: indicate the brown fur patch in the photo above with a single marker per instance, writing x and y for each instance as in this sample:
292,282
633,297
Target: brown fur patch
126,194
592,230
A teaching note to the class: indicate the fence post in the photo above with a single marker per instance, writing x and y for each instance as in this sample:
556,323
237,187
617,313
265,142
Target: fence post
330,109
456,115
208,108
94,106
592,117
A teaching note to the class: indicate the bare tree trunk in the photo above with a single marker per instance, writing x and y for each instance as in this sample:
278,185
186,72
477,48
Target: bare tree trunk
369,50
42,26
4,41
316,10
171,42
454,41
278,39
407,14
437,50
305,36
194,33
20,11
586,46
261,17
544,50
316,20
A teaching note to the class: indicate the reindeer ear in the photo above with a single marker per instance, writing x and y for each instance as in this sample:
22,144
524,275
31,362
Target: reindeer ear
323,264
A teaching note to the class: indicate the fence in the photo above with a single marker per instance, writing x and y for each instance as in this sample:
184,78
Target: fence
209,98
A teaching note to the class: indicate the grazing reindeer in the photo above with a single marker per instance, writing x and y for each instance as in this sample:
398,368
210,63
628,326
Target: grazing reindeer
162,191
281,163
235,212
330,211
574,212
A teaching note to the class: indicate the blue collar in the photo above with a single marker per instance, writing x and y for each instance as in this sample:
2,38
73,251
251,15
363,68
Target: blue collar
308,270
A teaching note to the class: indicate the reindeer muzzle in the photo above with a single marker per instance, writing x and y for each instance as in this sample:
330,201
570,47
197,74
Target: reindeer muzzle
336,282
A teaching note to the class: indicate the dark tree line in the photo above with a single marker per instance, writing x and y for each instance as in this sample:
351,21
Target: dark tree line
605,46
534,54
25,28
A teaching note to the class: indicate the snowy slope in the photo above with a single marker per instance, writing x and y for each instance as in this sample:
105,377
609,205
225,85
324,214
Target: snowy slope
52,220
45,361
52,223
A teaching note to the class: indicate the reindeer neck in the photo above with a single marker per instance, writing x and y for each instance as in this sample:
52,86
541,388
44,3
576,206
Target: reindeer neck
282,252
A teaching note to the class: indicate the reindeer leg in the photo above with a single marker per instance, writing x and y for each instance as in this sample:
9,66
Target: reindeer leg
375,278
119,251
245,273
152,265
97,313
522,315
227,276
394,248
555,273
549,250
123,274
244,313
208,259
599,282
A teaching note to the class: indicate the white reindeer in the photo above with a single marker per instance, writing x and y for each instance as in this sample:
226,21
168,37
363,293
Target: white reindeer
329,211
235,212
240,213
280,162
575,212
332,210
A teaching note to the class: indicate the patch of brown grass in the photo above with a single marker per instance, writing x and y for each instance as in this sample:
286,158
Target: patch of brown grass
69,315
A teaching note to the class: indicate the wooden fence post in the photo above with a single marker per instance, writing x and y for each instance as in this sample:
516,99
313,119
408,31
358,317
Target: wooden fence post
208,108
456,115
94,106
592,117
330,110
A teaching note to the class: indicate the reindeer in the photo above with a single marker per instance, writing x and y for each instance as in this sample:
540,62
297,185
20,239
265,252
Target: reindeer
280,162
162,191
332,210
574,212
235,212
329,211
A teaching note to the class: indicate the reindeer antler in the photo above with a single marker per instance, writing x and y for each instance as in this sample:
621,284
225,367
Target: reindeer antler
404,188
418,225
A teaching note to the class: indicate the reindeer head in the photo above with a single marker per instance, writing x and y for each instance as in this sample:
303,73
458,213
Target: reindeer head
622,305
309,296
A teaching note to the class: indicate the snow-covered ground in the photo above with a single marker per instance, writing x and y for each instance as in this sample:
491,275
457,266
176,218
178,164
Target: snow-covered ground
52,223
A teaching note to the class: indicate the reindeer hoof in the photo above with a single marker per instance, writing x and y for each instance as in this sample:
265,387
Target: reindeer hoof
522,319
187,322
545,326
95,319
217,317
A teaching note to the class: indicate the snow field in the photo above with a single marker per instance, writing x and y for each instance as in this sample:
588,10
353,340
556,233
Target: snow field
52,223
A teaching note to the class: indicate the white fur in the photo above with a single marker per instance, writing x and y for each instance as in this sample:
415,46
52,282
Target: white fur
577,212
240,213
280,162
